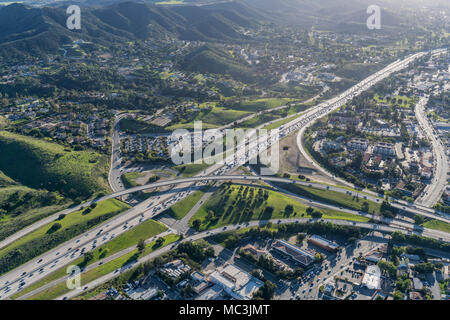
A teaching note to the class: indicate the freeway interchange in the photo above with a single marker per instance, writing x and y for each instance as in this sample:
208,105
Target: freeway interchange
67,252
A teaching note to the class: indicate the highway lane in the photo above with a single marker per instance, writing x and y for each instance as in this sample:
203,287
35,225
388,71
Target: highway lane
311,115
235,160
432,192
115,184
71,250
201,178
116,163
93,265
209,233
105,232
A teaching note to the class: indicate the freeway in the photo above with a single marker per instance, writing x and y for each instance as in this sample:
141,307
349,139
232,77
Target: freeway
234,161
94,265
433,191
411,209
45,264
206,234
151,207
116,163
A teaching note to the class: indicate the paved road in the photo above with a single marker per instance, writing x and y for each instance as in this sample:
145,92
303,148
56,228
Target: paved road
432,192
316,165
310,116
182,225
411,209
93,265
335,264
232,162
205,234
116,163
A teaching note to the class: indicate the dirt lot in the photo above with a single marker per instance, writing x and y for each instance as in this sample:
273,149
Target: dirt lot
292,162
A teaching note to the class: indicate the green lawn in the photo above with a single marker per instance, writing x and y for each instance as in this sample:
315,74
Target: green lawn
10,224
437,225
191,169
61,288
333,197
262,104
180,209
279,123
129,178
212,116
5,180
228,207
145,230
406,102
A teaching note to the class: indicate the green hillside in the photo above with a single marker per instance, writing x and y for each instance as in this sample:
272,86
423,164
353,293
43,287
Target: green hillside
208,59
43,165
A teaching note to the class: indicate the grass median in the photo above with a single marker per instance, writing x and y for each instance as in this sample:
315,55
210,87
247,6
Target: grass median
91,275
233,204
53,234
145,230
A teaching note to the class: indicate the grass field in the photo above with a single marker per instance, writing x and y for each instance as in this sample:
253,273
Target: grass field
50,166
129,178
406,102
5,180
21,206
43,239
437,225
261,104
229,207
213,116
191,169
279,123
258,120
145,230
180,209
61,288
333,197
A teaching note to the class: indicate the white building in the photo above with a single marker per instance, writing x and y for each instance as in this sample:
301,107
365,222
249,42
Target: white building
236,282
372,278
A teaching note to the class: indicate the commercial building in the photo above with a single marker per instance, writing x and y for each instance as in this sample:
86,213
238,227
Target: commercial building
236,282
143,294
372,278
175,269
198,282
293,252
250,249
323,243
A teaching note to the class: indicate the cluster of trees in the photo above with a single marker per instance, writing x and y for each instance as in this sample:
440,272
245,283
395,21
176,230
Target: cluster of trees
426,267
196,251
387,210
21,201
242,204
231,240
266,292
314,213
387,267
420,241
